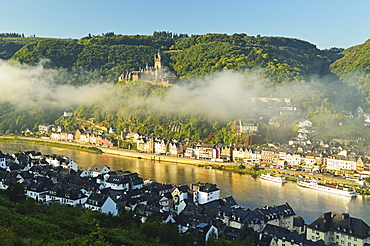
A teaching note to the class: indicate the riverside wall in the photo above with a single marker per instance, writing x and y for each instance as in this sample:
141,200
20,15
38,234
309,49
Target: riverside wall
154,157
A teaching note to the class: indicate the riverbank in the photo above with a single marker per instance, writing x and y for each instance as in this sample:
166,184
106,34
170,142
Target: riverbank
116,151
40,141
225,166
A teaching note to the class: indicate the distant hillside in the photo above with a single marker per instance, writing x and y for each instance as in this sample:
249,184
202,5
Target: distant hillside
10,45
284,60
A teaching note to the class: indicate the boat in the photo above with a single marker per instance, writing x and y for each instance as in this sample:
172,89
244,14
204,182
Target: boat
328,188
276,179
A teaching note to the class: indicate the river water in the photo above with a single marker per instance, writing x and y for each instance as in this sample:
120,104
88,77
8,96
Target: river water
248,191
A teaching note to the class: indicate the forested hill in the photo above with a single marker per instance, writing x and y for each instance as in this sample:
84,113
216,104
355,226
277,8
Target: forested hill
325,84
284,59
354,68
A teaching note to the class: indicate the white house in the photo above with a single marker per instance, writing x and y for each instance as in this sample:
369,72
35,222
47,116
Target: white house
3,164
304,123
68,196
98,169
205,192
122,181
102,203
336,163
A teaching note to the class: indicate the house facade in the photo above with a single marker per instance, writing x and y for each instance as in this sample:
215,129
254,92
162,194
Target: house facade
340,229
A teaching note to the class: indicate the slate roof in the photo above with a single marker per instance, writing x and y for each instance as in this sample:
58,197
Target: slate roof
341,223
230,201
96,168
285,235
205,187
97,199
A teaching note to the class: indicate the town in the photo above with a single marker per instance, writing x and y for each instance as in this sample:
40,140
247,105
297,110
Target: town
335,156
197,208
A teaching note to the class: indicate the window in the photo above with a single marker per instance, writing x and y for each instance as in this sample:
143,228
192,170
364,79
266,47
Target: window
349,237
349,244
341,242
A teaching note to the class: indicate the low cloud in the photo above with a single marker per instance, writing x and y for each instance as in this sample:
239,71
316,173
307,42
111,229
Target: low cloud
222,95
218,96
34,86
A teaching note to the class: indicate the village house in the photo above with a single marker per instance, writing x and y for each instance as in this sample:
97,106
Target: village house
204,192
189,151
122,181
267,157
293,159
203,232
132,136
256,156
65,195
312,163
175,148
108,142
102,203
38,188
160,146
274,235
304,123
245,127
340,163
98,169
222,153
242,153
203,150
45,127
341,229
149,145
281,215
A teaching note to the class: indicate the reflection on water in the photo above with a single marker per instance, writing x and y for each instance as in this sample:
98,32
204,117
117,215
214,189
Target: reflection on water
248,191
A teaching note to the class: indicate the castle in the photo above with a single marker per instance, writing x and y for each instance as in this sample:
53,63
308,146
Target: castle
153,74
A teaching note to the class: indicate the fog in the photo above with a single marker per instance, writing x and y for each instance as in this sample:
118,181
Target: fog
222,95
34,86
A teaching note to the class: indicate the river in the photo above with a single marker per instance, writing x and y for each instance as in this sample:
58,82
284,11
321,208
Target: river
248,191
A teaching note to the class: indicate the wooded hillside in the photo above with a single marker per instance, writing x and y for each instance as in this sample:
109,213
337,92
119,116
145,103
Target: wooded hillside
320,82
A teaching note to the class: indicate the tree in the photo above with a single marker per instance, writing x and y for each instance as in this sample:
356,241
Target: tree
16,192
6,237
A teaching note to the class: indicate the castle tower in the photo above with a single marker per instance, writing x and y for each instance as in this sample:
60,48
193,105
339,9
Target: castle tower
158,67
157,61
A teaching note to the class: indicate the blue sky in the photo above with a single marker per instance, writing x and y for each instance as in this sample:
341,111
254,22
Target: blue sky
325,23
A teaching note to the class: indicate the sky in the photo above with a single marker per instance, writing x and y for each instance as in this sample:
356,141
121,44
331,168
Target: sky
324,23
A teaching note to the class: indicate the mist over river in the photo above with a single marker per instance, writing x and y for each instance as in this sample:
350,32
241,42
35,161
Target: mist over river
248,191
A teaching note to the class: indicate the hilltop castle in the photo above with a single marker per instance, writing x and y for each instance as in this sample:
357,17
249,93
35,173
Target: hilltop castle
153,74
